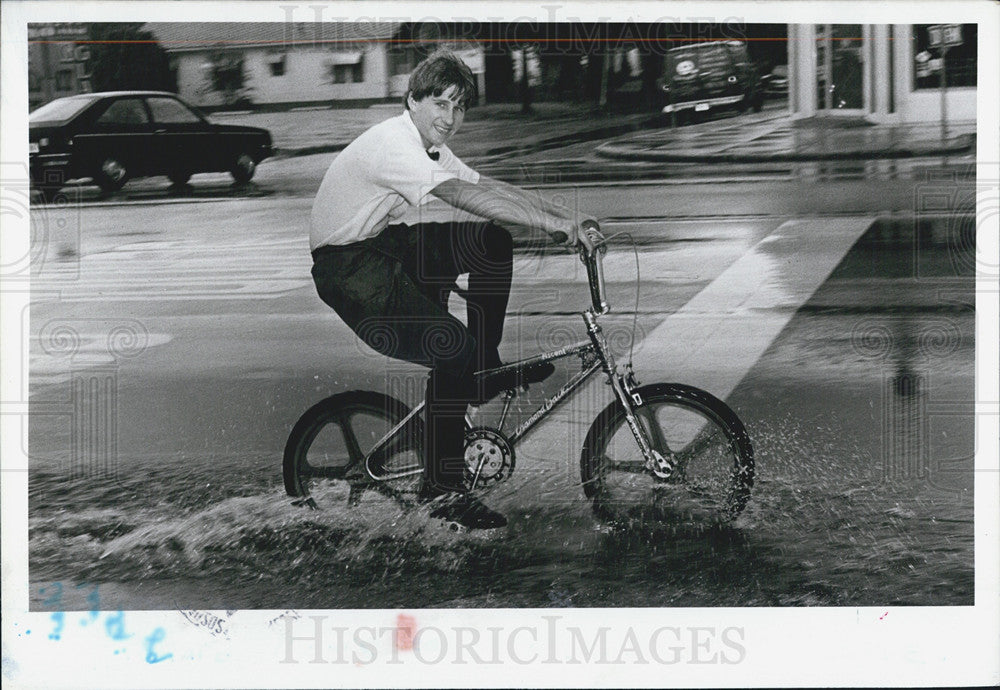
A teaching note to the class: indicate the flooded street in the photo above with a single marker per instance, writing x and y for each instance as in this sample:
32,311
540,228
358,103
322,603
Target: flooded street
860,411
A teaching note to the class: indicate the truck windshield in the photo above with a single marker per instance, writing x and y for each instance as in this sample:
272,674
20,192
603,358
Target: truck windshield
706,58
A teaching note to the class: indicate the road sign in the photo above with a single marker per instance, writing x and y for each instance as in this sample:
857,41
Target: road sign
944,35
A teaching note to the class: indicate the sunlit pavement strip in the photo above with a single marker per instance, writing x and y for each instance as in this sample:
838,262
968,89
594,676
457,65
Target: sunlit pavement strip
713,341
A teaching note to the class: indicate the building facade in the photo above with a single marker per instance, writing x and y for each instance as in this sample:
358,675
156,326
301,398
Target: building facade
280,65
57,65
888,73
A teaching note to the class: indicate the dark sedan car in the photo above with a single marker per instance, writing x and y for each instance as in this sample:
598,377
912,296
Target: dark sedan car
113,136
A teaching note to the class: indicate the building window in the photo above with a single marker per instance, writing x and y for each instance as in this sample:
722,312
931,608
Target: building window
959,62
277,64
64,80
347,68
401,60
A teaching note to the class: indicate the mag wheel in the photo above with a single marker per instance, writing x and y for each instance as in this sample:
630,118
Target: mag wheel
111,175
243,168
333,438
713,455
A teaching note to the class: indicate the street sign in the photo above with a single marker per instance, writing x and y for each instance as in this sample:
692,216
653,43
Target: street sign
944,35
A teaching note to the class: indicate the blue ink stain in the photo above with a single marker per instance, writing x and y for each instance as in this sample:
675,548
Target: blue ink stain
56,633
93,599
54,600
115,625
151,656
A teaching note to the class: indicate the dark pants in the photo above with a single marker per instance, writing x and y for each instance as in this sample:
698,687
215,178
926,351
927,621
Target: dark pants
392,291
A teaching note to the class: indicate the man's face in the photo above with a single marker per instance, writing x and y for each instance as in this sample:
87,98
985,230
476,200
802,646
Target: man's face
437,117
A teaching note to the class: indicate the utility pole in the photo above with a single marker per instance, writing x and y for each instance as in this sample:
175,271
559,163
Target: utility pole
943,37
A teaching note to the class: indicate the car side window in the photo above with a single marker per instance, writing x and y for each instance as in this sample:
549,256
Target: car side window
169,111
126,111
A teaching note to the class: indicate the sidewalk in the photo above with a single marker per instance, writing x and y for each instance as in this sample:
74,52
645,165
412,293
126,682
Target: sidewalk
490,130
756,139
501,130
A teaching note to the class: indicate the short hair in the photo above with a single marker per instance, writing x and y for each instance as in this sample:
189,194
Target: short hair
439,71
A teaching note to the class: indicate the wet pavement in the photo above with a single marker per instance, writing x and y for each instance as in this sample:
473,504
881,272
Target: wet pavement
202,322
779,138
502,130
562,143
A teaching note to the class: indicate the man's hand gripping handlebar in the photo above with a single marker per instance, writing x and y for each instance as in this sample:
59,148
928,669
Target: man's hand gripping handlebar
590,243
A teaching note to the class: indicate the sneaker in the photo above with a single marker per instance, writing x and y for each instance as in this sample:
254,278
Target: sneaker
491,385
468,511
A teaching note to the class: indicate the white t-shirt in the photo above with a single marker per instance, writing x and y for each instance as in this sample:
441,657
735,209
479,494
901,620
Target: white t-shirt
375,178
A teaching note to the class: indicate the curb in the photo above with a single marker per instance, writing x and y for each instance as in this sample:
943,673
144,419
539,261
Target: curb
964,144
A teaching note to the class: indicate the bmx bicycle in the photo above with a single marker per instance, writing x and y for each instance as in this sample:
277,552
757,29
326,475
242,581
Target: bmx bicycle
662,450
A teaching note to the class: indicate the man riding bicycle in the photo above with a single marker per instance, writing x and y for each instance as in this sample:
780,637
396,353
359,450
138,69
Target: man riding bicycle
390,282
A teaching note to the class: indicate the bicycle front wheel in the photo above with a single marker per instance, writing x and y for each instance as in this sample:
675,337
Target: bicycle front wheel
332,440
707,441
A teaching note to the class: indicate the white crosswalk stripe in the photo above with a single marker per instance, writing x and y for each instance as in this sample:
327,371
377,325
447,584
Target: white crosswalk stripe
714,340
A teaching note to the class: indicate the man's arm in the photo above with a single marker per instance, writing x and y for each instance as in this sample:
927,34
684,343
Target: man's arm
508,205
537,199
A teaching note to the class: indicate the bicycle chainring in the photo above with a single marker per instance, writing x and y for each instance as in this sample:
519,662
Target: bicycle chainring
489,457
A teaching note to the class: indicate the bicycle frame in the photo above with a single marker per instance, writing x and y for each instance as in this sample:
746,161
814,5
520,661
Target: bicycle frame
596,355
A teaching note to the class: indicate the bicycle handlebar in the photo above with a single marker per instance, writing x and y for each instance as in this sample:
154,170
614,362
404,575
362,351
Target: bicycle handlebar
592,260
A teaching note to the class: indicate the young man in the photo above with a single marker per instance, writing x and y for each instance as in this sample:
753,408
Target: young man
390,282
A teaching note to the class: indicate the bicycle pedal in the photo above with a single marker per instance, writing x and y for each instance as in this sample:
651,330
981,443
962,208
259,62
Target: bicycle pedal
307,502
458,528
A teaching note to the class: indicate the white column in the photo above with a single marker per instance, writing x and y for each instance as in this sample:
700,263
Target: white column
802,69
880,71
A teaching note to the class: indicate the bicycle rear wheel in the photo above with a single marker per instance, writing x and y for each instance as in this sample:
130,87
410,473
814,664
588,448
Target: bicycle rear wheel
332,439
713,453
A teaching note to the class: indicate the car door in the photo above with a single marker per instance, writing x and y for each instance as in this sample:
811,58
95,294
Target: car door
120,133
186,141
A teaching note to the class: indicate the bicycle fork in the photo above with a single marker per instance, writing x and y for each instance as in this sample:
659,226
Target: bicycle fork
624,387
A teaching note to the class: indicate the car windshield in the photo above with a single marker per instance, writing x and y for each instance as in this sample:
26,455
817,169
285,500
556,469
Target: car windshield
60,110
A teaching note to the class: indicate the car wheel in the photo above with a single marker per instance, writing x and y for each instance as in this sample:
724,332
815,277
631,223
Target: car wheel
243,168
45,194
179,178
111,176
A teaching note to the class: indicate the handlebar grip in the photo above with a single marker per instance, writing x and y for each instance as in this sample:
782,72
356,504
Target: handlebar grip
593,232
